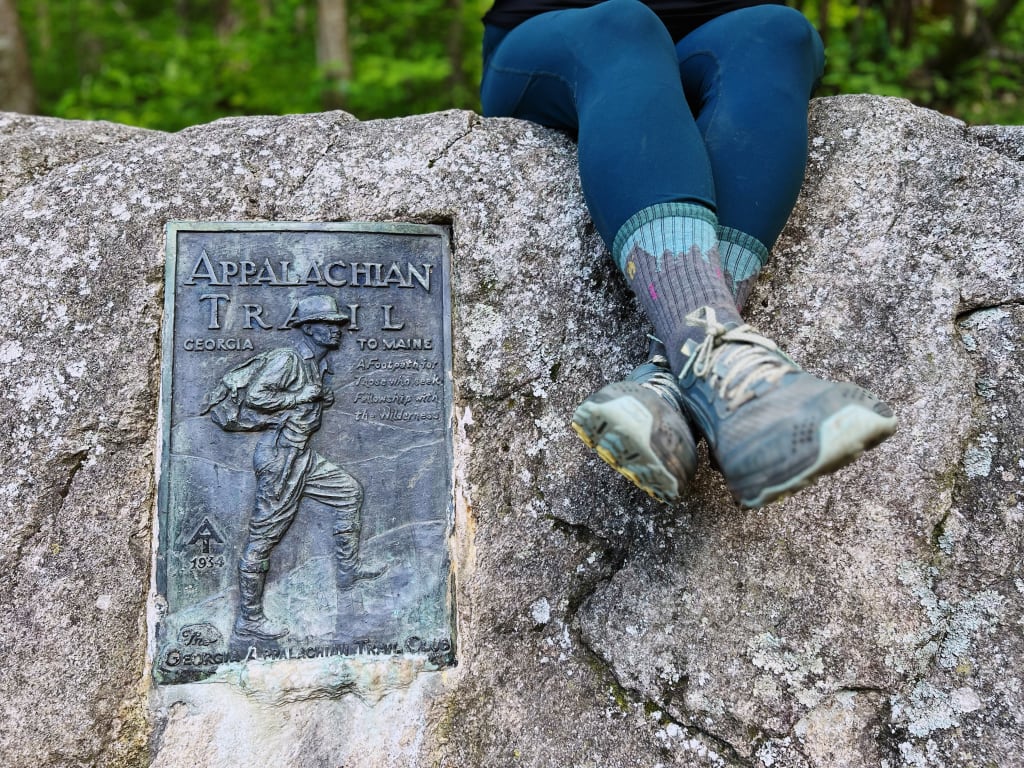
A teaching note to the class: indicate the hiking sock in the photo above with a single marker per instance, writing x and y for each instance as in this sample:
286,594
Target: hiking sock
669,255
742,257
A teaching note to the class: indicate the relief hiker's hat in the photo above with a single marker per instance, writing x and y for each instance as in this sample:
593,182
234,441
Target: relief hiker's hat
318,308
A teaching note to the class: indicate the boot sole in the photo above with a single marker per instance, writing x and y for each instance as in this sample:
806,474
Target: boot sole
843,437
620,430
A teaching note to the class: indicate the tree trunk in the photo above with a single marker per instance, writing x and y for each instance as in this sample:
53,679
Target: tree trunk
455,48
965,18
975,32
44,27
16,91
823,21
227,19
333,55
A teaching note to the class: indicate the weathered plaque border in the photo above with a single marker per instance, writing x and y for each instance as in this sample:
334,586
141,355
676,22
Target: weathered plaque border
172,231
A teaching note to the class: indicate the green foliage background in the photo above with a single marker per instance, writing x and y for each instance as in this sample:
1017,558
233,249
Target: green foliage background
921,56
170,65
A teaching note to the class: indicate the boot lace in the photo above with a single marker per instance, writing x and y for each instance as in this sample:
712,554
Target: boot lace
734,361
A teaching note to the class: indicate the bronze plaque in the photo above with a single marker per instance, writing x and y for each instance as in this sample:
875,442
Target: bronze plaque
305,495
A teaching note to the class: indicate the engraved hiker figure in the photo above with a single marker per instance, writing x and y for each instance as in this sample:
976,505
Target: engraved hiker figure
282,394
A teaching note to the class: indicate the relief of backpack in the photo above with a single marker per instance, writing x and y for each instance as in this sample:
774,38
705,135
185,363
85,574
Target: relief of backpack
226,403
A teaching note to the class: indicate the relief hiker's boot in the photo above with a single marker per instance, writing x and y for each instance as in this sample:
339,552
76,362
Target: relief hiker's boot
349,566
251,622
347,579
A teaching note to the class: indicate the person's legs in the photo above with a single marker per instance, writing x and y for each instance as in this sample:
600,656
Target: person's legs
280,473
600,72
609,75
748,76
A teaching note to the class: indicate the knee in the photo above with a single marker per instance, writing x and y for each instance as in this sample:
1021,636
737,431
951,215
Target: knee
357,492
785,30
626,26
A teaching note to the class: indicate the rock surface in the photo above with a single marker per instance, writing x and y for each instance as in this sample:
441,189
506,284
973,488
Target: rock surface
1007,139
873,620
34,146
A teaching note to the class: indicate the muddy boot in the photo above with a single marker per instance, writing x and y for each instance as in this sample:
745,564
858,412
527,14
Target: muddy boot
638,428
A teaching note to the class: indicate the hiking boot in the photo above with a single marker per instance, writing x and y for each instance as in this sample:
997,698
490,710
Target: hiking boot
348,578
772,428
258,628
637,426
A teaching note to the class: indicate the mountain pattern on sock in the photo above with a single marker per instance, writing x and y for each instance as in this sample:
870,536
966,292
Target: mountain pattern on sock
673,286
669,255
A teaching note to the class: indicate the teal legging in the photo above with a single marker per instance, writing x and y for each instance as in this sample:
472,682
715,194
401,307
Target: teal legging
718,118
